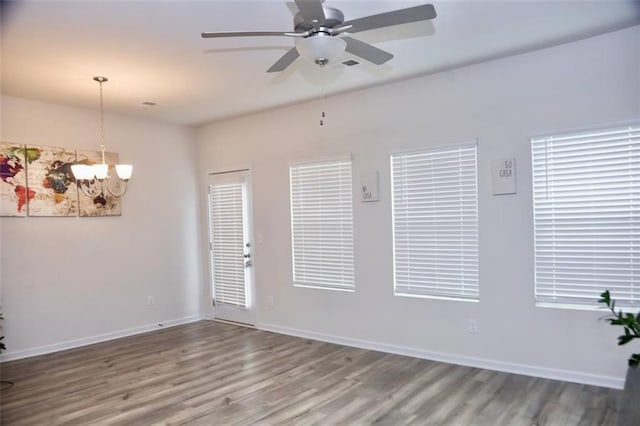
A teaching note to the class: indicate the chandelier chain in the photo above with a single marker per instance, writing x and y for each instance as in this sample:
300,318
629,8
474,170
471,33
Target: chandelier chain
102,147
101,116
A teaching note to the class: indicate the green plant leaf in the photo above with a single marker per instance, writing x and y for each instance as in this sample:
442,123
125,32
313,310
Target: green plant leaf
623,340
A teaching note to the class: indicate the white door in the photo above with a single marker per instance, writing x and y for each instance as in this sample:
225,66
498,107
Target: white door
230,246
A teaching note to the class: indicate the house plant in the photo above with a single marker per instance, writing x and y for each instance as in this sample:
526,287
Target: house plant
2,346
4,384
629,409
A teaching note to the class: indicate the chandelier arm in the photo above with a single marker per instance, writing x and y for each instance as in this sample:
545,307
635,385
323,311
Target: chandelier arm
123,188
89,188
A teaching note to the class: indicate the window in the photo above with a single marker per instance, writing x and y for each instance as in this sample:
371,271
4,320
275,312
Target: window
322,224
586,208
435,223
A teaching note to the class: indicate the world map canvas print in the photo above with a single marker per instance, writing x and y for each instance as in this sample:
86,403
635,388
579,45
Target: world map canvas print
49,176
38,181
13,180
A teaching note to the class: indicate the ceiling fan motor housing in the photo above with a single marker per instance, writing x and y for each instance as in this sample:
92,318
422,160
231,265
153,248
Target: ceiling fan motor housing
332,18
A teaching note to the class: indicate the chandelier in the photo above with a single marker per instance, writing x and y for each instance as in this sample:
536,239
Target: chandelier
93,180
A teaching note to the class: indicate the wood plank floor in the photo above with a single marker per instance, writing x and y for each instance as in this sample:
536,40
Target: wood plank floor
210,373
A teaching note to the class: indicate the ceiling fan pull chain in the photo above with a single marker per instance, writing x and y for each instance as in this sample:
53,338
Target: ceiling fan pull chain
322,95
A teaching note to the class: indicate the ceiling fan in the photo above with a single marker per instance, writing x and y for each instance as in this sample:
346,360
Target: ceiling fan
316,30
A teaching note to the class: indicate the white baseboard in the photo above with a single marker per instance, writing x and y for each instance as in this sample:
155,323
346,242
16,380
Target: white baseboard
70,344
507,367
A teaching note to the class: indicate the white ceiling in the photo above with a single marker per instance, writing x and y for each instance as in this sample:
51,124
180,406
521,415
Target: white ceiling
152,50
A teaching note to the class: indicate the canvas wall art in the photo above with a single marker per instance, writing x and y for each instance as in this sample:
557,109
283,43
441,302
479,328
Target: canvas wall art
106,204
13,180
49,177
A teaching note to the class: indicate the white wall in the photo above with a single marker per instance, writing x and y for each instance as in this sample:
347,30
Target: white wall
501,103
68,281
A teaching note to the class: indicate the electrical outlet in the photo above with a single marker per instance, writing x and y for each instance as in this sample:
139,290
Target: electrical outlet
473,325
150,301
270,300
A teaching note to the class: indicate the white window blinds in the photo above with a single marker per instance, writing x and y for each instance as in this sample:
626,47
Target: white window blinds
227,229
586,204
322,224
435,222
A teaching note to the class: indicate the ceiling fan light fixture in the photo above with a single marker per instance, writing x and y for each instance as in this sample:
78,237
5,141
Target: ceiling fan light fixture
321,48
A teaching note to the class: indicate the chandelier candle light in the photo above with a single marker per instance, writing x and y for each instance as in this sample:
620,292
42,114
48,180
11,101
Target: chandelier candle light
87,175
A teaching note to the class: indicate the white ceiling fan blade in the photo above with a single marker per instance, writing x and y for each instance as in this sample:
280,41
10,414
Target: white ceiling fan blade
366,51
403,16
286,60
311,11
221,34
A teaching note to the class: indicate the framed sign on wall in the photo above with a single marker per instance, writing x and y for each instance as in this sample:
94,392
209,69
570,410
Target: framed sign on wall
503,176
